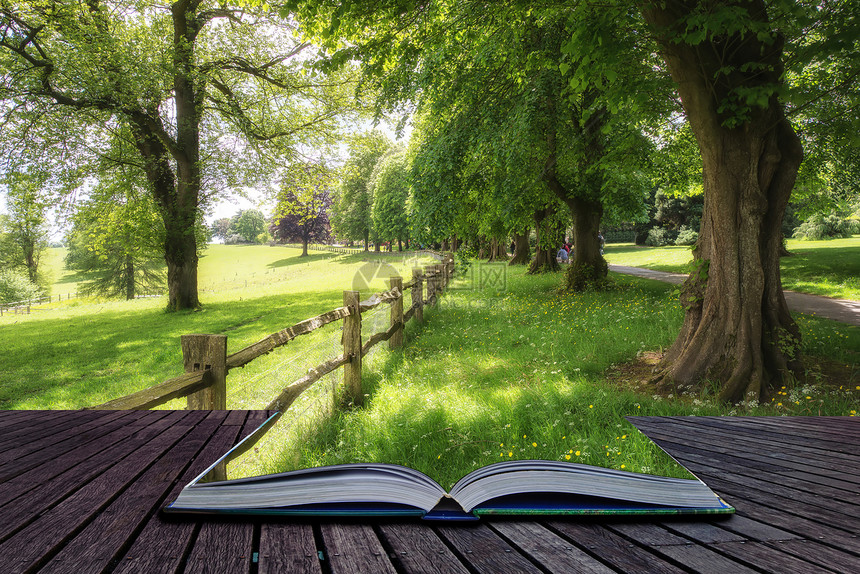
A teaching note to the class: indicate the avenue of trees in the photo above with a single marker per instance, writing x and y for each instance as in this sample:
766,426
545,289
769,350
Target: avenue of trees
528,106
711,123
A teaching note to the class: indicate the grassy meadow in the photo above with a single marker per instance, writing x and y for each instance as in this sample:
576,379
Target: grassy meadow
530,372
510,369
83,352
830,268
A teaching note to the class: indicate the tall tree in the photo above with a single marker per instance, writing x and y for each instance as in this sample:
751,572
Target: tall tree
389,187
220,228
303,207
726,58
169,72
249,224
116,239
25,237
352,218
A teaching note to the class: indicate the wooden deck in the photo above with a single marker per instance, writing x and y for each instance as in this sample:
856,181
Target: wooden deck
81,491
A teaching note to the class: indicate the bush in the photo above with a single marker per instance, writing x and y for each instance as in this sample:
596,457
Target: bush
15,287
658,237
686,236
825,227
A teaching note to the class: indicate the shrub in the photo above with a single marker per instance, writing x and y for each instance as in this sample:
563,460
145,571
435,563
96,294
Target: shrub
15,287
825,227
686,236
658,237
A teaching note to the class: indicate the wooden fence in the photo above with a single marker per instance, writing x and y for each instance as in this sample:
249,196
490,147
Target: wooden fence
206,361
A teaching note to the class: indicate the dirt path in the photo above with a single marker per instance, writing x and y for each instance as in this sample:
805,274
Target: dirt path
843,310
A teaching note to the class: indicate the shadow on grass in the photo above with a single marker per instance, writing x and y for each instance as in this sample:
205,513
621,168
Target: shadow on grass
821,264
297,259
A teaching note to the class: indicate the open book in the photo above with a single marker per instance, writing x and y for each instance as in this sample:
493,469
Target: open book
525,487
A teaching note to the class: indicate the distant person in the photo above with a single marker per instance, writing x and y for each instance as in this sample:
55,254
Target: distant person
561,256
601,241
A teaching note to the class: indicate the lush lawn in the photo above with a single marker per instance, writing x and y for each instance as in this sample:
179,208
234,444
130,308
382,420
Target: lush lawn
521,374
511,370
83,352
830,268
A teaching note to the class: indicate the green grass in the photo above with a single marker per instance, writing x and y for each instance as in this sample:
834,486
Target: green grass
830,268
83,352
520,374
491,375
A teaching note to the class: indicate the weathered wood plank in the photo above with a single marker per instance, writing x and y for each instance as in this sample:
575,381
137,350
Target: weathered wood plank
76,464
692,555
396,315
352,350
549,550
377,338
290,393
19,512
770,559
416,549
833,430
834,517
824,552
206,353
170,389
613,549
485,551
222,547
236,537
379,298
703,560
102,540
18,423
50,530
27,453
163,544
736,528
808,451
288,548
25,439
275,340
354,549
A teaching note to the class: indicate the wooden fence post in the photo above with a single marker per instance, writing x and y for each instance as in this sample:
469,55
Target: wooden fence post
207,353
430,273
396,340
440,281
352,349
418,293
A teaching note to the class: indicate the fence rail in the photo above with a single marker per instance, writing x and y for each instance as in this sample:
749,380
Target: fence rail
207,363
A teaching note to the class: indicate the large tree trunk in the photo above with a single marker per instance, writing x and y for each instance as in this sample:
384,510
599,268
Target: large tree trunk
522,251
737,329
587,269
304,248
587,266
544,260
497,250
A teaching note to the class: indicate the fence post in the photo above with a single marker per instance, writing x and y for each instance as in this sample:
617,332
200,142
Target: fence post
440,281
207,353
418,294
352,349
396,340
430,273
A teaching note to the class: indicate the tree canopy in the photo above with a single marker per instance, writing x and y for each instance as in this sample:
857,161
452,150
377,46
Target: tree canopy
208,93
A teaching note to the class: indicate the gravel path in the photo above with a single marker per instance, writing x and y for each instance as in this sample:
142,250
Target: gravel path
843,310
